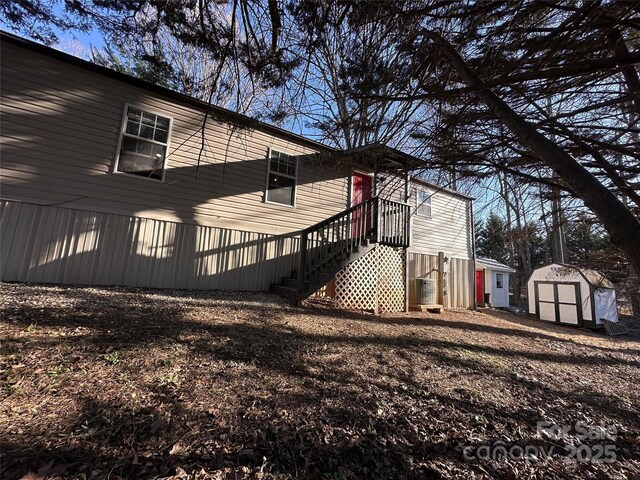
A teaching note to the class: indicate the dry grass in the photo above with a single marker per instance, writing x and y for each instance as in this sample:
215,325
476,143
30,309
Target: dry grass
117,383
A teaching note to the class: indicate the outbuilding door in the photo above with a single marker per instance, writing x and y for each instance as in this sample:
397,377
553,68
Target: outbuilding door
479,286
559,302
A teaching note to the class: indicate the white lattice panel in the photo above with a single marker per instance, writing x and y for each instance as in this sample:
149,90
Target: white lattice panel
391,281
373,282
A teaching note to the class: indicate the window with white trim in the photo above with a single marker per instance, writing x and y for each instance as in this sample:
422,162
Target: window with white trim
281,181
498,280
143,144
423,203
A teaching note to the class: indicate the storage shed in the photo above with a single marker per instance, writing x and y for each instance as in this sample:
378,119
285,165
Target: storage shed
492,282
570,295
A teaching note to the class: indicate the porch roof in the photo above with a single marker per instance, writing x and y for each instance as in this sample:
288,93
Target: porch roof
388,159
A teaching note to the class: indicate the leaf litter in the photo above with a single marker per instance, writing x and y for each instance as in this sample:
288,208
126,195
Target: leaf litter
130,383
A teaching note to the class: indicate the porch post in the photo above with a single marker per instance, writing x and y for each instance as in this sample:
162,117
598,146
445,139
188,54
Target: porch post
375,177
406,186
378,225
406,249
441,279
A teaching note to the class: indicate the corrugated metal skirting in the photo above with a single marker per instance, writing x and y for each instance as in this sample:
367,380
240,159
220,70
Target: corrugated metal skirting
48,244
459,278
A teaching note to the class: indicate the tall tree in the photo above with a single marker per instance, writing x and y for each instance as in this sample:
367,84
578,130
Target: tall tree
348,62
491,241
487,68
165,60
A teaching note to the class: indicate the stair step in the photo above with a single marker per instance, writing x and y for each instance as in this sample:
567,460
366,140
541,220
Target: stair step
323,279
322,270
290,282
339,257
288,293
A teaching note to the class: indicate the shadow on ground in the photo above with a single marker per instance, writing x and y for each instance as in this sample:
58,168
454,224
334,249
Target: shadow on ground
101,382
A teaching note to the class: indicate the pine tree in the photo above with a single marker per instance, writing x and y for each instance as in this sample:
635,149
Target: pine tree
491,241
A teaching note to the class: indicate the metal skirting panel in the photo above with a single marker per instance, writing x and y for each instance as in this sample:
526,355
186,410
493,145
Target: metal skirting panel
461,283
459,279
47,244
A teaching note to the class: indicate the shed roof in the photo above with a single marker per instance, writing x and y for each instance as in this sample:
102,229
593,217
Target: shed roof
592,277
596,278
491,264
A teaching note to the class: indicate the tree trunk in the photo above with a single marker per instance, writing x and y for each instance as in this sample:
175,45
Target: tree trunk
622,225
629,72
634,293
557,220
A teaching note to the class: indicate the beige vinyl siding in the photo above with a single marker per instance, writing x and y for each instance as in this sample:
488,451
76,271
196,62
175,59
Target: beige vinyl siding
69,246
392,188
449,229
60,130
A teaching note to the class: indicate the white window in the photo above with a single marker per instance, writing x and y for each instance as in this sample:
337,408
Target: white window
423,203
281,178
498,280
143,143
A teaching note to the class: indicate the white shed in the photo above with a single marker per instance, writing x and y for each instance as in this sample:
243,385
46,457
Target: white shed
492,282
572,296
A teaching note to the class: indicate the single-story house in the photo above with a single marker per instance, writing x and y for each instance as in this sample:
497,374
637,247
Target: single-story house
109,180
492,282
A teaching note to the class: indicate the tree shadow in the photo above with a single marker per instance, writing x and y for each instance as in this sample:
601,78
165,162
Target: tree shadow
541,330
253,384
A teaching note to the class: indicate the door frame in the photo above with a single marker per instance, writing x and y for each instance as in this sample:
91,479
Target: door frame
369,221
359,172
557,304
481,271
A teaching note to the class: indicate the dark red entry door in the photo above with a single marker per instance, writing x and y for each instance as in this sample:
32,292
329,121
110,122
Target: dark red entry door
361,192
479,286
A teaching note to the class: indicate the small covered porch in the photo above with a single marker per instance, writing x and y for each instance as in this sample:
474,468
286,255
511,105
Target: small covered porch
377,221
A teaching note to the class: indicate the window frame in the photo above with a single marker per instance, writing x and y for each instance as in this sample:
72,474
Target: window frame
499,280
123,132
419,204
295,179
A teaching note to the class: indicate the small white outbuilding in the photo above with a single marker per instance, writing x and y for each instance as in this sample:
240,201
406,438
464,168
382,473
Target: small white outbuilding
492,282
571,296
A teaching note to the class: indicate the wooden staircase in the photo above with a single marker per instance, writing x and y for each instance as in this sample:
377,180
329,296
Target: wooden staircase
328,246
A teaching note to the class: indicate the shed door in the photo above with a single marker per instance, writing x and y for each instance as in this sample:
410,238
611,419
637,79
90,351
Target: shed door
559,302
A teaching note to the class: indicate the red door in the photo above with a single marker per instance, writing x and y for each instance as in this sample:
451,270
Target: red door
361,188
479,286
361,192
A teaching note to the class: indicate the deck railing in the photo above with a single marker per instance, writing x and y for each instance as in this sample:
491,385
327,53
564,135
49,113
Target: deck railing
375,220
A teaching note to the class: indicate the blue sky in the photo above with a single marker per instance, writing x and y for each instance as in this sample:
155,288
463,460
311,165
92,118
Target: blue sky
72,42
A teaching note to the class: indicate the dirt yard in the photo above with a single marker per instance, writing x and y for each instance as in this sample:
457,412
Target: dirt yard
116,383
